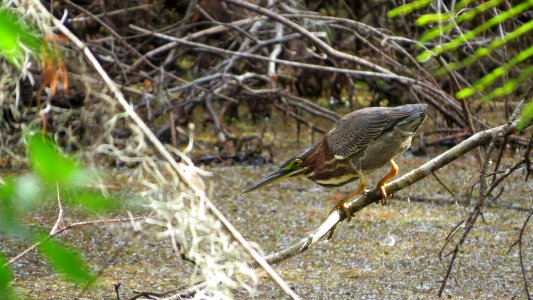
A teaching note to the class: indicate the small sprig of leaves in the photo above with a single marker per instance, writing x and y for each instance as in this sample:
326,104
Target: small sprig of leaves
52,172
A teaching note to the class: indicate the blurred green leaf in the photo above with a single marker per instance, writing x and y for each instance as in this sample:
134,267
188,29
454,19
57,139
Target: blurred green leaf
466,92
493,14
424,56
48,162
433,18
481,52
92,200
7,194
498,72
462,4
462,16
408,7
14,37
16,198
431,34
8,212
6,276
511,85
498,19
527,115
66,261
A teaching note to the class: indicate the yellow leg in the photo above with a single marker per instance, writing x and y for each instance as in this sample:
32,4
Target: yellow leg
360,188
381,185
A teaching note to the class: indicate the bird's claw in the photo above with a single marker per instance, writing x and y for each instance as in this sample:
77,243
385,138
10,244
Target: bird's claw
331,232
343,211
384,195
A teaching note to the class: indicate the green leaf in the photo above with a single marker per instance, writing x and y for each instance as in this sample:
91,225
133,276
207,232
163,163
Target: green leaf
92,200
462,17
462,4
6,276
498,72
424,56
66,262
408,7
481,52
466,92
7,194
527,115
431,34
510,85
14,37
453,44
433,18
8,210
48,162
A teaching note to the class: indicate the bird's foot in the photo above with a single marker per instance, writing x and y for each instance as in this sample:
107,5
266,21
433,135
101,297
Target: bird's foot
344,210
341,205
384,195
331,232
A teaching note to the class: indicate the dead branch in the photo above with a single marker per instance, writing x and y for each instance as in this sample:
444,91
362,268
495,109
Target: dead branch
469,222
519,243
167,156
312,107
68,227
356,73
484,190
300,119
319,43
527,160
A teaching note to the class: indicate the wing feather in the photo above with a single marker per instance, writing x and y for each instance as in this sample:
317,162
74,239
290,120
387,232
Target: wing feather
355,131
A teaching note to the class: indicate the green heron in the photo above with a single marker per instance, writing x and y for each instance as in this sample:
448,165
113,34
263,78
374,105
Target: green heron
360,143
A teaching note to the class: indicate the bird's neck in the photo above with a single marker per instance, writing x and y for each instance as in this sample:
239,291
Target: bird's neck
318,154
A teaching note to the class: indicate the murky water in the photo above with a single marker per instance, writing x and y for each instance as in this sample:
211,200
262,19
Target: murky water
385,252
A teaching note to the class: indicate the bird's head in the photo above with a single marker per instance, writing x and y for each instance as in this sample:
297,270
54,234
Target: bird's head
294,166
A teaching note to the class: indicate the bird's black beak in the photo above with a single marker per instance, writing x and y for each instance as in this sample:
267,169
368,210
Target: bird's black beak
270,178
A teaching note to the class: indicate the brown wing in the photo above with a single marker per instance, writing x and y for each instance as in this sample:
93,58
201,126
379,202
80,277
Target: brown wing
355,131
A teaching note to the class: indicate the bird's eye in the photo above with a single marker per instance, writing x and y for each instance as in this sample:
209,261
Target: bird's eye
297,162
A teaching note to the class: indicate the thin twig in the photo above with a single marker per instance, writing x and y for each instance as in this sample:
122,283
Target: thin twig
300,119
60,214
356,73
318,42
519,243
471,219
68,227
484,190
443,185
167,156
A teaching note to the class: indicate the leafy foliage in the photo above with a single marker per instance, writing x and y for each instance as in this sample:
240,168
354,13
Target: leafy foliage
48,162
5,278
15,37
53,172
66,261
502,80
19,40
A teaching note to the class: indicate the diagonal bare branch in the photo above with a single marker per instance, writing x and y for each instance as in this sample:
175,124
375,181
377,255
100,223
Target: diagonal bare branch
167,156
